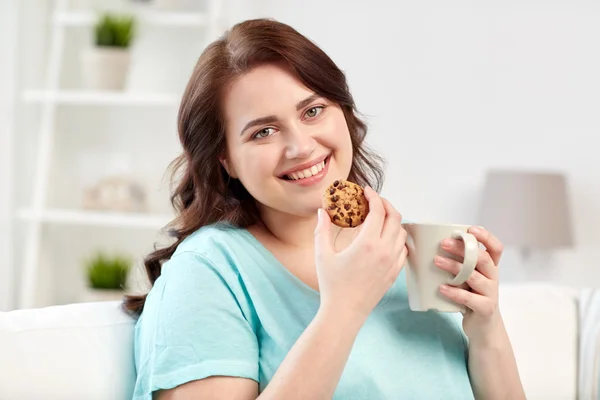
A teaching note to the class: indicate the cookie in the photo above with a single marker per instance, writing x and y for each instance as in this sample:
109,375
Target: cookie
346,204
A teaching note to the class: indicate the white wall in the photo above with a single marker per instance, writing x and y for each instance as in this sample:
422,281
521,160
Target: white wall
7,69
453,88
449,88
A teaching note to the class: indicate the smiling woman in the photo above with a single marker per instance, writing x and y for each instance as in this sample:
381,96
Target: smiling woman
261,295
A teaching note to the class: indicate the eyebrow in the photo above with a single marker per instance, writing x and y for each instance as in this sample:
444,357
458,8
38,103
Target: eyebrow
271,118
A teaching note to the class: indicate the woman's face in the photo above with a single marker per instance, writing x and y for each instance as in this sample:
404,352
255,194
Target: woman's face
284,143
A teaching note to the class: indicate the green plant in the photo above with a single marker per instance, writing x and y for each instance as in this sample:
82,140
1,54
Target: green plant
114,30
108,272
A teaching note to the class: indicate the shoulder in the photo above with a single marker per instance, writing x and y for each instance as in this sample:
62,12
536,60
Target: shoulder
212,245
211,240
202,270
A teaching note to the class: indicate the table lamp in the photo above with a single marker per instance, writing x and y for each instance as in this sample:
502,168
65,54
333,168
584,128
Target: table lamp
527,210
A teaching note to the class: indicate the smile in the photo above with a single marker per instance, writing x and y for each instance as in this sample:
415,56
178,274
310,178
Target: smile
310,174
306,173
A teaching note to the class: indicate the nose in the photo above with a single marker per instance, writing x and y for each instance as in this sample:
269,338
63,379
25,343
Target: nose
300,144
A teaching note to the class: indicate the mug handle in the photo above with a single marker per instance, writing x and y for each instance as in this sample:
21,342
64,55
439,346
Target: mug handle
470,259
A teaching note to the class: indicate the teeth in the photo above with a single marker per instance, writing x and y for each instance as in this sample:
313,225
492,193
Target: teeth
307,173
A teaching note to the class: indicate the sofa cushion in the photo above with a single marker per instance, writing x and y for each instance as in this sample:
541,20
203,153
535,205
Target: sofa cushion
542,322
85,351
77,351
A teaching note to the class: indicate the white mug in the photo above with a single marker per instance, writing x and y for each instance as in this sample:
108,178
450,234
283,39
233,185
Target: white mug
423,277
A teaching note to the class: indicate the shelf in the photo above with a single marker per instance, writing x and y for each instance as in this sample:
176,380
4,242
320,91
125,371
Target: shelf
101,98
156,18
98,218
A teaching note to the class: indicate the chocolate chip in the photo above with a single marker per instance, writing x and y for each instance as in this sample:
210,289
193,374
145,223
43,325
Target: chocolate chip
331,191
336,217
341,214
332,207
349,221
358,213
350,213
335,198
336,183
347,206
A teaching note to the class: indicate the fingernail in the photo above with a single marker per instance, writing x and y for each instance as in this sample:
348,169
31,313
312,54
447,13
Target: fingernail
444,288
447,243
439,261
319,214
476,229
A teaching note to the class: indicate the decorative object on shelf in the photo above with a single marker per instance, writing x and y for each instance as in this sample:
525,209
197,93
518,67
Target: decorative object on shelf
106,276
105,65
527,210
115,193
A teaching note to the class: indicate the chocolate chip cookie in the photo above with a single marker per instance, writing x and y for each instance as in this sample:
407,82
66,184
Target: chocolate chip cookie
346,204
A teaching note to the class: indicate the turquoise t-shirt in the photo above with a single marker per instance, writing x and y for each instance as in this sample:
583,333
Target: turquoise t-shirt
224,305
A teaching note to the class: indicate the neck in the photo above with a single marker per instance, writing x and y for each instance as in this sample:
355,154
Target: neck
291,230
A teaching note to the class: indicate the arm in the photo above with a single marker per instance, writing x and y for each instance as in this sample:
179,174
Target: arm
492,365
311,369
314,365
493,369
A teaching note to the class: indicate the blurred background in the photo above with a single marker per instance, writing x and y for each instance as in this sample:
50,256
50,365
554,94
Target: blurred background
486,113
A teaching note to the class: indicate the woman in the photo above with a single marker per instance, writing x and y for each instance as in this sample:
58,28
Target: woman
261,296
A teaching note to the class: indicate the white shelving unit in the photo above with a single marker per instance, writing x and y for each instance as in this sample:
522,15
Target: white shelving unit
8,47
100,98
90,218
157,18
50,98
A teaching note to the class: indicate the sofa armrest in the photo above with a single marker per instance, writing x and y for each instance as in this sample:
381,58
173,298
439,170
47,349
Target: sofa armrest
542,323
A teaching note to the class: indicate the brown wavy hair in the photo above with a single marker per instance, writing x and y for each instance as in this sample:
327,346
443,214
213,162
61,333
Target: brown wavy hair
204,193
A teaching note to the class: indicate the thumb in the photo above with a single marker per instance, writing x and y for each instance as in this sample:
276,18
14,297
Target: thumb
323,239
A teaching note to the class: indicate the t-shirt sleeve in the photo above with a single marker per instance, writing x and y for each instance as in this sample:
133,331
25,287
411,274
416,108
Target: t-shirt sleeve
196,323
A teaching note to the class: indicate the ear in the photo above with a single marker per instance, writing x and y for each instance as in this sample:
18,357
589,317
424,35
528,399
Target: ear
228,167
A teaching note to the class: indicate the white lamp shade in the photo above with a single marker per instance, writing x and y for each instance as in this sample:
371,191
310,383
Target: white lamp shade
529,210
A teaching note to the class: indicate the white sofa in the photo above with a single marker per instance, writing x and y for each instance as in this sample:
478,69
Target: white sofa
84,351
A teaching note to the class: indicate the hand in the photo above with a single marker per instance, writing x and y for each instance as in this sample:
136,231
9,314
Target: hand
482,319
356,278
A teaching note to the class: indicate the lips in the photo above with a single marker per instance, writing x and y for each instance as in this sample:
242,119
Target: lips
307,170
306,173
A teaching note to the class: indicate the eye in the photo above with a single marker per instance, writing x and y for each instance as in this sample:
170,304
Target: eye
314,111
263,133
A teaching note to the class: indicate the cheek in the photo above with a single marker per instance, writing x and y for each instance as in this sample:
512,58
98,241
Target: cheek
254,165
339,138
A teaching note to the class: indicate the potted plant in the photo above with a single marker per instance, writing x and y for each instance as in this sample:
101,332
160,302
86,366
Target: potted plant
106,276
104,66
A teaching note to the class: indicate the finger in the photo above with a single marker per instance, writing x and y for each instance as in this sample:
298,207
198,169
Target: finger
374,220
492,244
477,281
480,304
392,223
323,236
401,240
485,264
397,267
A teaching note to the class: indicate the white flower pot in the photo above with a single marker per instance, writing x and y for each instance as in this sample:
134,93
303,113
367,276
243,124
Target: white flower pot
104,68
91,294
